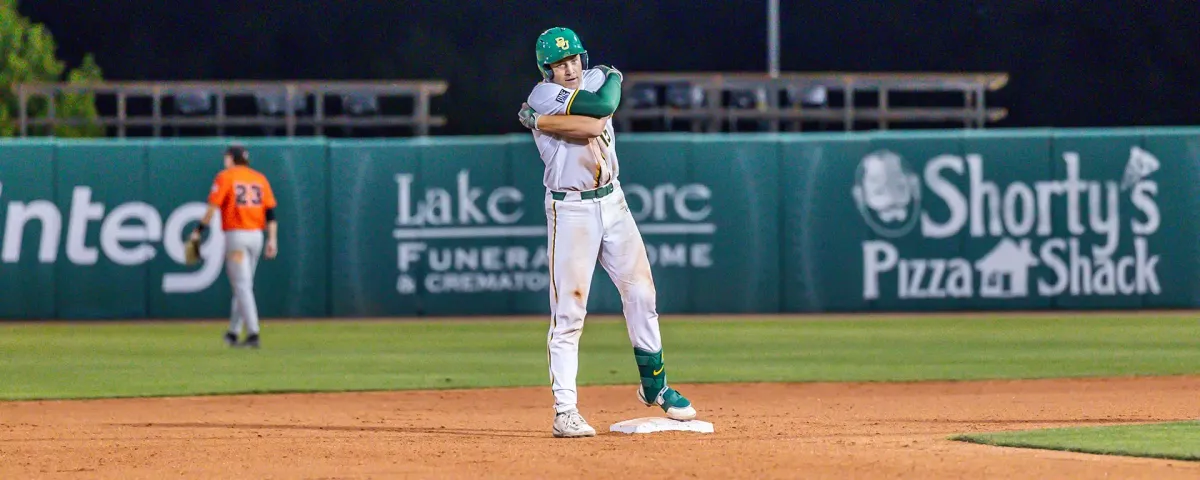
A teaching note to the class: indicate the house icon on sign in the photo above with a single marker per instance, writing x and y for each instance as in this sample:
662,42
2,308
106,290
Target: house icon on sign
1005,270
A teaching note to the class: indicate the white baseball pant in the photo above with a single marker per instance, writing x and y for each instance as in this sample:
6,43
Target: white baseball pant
243,308
580,232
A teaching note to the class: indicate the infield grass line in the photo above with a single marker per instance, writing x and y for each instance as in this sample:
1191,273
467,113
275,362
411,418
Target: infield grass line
1168,441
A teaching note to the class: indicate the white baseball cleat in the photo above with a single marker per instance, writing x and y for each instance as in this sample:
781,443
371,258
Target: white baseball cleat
682,414
676,406
571,424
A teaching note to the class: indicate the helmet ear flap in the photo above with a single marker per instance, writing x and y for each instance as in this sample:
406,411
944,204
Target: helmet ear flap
583,58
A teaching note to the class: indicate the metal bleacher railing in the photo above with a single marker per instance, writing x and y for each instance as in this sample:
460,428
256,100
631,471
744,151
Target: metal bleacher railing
699,101
266,105
715,101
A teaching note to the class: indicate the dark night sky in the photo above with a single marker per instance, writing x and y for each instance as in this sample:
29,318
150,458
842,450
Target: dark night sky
1072,63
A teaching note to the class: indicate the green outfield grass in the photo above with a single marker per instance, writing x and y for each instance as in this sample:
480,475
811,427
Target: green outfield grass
106,360
1176,440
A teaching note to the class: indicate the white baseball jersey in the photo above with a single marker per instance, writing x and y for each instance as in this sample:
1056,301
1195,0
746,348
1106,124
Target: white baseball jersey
573,164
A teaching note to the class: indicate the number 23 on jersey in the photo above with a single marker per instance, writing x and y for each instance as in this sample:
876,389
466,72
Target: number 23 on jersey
243,195
247,194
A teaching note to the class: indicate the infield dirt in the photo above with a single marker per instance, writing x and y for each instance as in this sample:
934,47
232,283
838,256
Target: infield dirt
813,430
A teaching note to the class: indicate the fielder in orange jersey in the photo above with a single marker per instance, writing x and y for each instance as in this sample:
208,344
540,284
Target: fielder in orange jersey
247,205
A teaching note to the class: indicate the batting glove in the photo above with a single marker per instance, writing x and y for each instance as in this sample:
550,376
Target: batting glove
606,70
528,116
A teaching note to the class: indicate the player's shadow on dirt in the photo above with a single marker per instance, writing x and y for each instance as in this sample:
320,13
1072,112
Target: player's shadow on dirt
464,432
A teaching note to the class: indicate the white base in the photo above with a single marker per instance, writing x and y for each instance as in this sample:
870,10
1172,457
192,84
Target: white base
661,424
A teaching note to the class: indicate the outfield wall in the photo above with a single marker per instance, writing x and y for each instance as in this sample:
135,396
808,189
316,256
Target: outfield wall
888,221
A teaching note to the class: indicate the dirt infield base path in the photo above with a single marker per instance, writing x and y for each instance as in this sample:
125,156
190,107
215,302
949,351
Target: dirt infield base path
862,431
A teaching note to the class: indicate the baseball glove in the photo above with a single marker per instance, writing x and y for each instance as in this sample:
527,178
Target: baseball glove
191,251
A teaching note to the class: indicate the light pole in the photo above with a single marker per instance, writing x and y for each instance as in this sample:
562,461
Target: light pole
773,38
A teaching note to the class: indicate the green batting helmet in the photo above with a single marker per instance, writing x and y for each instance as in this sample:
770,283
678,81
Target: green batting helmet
555,44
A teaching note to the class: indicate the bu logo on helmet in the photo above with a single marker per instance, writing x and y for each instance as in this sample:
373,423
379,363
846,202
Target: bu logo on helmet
562,43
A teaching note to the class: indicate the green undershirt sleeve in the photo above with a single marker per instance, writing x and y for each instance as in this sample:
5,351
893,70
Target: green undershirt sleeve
602,103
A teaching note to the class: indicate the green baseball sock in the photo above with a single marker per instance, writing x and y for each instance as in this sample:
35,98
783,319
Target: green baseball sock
652,371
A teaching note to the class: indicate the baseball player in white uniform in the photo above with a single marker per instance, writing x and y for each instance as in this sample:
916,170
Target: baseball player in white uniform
570,113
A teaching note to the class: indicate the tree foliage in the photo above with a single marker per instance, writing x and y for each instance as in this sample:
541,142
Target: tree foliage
27,54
